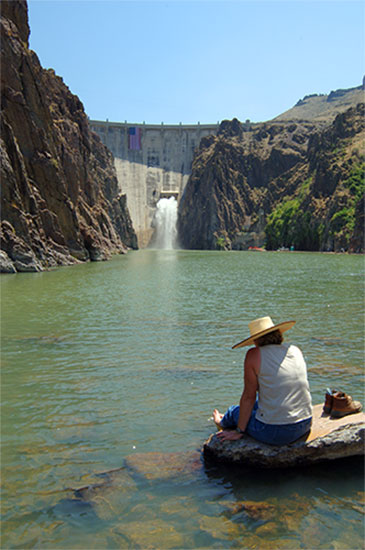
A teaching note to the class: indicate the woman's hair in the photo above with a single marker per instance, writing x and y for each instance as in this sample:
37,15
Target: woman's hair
271,338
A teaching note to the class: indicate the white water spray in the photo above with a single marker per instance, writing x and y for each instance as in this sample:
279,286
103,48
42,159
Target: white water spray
166,218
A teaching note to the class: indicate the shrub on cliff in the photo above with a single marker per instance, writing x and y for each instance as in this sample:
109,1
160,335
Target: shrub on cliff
300,223
288,225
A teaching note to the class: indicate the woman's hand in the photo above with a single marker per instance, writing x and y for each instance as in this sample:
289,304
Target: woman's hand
229,435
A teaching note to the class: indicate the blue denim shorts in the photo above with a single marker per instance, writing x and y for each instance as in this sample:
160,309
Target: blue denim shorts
273,434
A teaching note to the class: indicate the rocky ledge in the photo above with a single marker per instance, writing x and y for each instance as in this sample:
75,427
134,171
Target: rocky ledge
344,441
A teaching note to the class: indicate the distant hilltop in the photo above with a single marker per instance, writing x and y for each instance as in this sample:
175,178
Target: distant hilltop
322,107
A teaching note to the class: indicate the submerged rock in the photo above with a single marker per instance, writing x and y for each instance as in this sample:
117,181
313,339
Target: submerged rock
160,466
110,494
329,440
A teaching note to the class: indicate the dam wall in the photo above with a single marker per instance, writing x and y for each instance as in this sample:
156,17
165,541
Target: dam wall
151,161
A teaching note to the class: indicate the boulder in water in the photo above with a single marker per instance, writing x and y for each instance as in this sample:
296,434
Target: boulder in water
329,439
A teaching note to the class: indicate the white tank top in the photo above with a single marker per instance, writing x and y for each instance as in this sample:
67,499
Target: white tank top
284,396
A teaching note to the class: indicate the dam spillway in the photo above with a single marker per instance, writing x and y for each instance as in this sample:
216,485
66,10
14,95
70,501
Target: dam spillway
152,161
165,224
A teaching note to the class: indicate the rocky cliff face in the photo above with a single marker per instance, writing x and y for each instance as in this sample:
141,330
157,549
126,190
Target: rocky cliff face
281,184
60,201
231,187
325,209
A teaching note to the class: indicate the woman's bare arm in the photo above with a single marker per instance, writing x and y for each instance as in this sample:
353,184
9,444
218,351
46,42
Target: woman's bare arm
248,397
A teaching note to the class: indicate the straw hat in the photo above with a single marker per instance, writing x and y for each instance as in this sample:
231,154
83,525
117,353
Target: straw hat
263,326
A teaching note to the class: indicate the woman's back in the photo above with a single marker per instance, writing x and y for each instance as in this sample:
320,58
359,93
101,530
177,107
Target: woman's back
284,396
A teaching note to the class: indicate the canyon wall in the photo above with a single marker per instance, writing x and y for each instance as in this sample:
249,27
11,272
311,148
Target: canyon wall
60,200
283,184
230,190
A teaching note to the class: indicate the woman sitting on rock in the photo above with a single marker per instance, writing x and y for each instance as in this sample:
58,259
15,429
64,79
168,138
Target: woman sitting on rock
275,406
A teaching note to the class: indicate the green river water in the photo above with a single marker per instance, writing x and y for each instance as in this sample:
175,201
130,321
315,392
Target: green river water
110,373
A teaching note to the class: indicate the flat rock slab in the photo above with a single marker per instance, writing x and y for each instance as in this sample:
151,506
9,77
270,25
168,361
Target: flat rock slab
328,439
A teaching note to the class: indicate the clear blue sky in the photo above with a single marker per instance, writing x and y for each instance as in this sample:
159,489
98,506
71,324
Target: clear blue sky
189,61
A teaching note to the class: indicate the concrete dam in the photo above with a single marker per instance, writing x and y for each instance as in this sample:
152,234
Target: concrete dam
152,162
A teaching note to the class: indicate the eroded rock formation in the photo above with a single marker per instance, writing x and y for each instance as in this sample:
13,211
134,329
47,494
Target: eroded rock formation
231,182
60,202
281,184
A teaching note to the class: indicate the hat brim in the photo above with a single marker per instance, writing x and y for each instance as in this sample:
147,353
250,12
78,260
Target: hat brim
281,326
